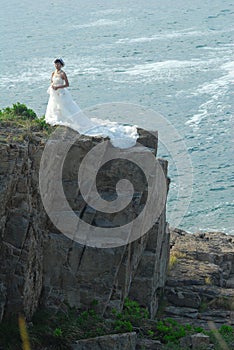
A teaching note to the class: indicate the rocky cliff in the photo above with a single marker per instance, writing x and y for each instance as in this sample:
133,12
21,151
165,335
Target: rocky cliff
41,266
200,284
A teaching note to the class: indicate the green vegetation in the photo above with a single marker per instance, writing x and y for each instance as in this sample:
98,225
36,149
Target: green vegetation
18,123
131,316
18,110
169,330
222,338
227,333
57,330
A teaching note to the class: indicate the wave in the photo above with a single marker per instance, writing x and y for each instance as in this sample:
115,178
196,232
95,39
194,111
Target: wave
189,32
98,23
217,89
108,12
162,36
27,77
219,83
169,67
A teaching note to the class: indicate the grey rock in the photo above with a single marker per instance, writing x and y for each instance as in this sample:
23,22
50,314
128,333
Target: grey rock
39,263
200,341
148,344
182,311
230,282
186,342
125,341
2,299
201,278
180,297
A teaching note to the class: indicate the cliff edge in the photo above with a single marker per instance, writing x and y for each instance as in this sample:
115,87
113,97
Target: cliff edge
41,266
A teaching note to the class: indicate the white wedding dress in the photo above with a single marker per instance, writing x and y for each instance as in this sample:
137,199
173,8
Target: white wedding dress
62,110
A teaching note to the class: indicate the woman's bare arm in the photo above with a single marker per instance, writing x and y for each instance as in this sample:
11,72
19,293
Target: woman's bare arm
64,77
51,79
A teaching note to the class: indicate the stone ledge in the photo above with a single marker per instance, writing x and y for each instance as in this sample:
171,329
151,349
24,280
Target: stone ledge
124,341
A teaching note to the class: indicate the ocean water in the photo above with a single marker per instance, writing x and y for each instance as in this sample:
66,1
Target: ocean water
175,58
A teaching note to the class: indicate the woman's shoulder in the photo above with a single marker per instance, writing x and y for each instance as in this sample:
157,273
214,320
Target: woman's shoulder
63,74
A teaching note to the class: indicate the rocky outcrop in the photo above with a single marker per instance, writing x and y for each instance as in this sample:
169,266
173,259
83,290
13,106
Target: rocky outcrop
148,344
39,265
199,287
196,341
125,341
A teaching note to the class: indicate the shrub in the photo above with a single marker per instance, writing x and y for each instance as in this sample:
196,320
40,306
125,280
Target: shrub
18,110
169,330
20,122
22,110
58,332
132,316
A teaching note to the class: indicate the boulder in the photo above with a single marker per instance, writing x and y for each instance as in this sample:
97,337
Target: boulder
124,341
148,344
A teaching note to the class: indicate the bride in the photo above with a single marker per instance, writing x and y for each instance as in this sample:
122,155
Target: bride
62,110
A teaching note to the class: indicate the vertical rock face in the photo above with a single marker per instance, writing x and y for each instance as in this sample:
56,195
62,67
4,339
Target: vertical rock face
21,227
39,264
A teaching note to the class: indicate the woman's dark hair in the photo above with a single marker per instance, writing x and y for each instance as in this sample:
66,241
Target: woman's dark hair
59,60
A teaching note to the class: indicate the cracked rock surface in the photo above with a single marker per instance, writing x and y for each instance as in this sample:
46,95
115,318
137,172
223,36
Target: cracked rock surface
199,286
40,265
